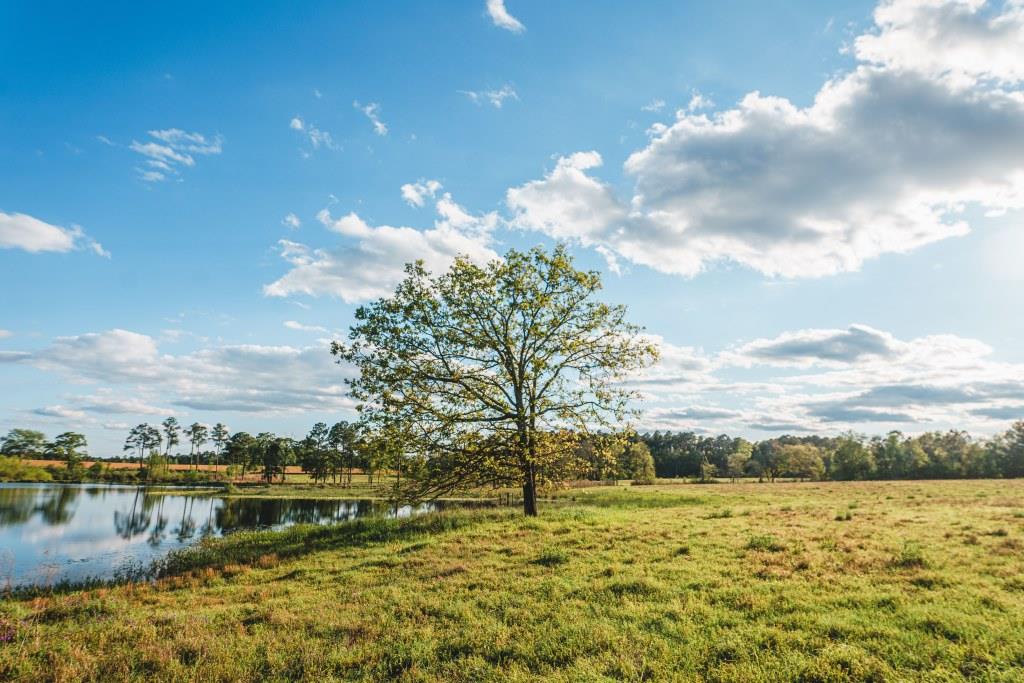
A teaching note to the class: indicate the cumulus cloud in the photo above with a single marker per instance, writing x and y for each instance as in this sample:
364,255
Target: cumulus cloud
415,194
830,380
371,259
496,98
372,112
169,150
501,18
244,378
21,231
291,221
884,160
962,40
317,138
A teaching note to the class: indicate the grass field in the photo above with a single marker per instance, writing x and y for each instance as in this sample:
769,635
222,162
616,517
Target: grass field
913,581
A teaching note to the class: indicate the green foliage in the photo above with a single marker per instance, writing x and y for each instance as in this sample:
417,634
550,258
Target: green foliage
172,433
801,460
68,446
765,543
494,373
911,556
851,460
23,443
636,463
13,469
552,557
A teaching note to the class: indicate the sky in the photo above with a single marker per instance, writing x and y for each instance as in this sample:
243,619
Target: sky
813,208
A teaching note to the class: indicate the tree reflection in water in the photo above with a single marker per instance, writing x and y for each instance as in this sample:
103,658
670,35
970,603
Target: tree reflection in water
54,525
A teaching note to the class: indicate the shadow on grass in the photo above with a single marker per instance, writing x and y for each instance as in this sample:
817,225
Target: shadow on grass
247,547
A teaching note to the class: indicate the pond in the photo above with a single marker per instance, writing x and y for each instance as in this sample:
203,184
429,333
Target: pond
50,533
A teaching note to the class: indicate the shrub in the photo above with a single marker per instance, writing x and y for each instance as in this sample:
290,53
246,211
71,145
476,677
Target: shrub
551,557
910,557
766,543
14,469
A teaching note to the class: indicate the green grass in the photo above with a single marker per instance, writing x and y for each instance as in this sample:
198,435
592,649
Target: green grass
924,583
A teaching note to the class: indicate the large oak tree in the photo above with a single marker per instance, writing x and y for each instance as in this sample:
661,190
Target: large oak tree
494,373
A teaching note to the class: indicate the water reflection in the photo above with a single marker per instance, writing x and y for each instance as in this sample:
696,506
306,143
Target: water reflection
54,532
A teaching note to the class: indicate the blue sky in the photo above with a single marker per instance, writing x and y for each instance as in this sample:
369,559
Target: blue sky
195,198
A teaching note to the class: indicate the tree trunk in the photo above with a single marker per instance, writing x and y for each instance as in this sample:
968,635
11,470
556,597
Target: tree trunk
530,492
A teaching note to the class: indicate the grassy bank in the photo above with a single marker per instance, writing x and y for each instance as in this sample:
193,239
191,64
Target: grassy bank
787,582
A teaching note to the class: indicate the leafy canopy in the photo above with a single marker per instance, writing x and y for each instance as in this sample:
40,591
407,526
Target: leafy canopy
493,373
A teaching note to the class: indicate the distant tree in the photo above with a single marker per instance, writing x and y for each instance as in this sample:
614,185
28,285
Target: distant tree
197,436
801,460
172,432
639,465
69,447
140,439
768,455
238,448
384,451
342,439
23,443
495,372
135,442
708,470
736,463
1010,451
851,460
257,450
220,437
276,454
889,456
313,452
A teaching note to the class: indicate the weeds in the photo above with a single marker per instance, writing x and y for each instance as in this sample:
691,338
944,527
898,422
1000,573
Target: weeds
596,589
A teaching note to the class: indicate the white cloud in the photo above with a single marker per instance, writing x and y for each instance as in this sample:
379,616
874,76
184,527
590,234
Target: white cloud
172,149
21,231
61,412
884,160
496,98
291,221
653,105
416,193
817,346
501,18
4,334
107,402
372,112
830,380
317,138
963,40
370,262
698,102
132,373
815,380
299,327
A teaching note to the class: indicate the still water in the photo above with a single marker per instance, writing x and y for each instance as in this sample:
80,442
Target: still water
71,532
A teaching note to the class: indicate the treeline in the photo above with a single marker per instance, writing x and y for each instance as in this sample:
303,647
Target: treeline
333,452
338,451
932,455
